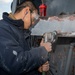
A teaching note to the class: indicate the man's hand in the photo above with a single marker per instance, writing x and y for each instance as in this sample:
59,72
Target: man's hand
47,45
44,67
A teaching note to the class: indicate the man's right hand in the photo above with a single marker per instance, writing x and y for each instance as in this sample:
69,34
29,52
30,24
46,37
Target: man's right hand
47,45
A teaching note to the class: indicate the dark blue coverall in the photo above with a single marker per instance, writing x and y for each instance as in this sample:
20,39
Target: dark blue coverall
16,55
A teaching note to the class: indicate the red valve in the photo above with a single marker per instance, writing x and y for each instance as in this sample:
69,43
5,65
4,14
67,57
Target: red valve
42,10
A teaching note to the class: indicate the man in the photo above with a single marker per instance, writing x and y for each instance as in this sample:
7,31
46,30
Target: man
16,55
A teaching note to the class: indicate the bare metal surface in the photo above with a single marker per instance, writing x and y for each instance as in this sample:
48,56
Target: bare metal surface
43,26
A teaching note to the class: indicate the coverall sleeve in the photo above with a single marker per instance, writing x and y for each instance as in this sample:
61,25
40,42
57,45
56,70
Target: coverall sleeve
14,59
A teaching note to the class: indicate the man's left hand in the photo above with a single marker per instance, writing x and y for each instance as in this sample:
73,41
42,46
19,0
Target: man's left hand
44,67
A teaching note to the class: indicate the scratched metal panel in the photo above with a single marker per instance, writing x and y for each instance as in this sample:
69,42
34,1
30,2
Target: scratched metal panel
59,59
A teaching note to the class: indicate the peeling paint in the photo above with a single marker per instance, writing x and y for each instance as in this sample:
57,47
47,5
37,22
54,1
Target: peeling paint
14,52
42,57
17,59
24,70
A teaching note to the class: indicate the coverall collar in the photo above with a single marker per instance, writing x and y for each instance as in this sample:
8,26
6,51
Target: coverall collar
19,23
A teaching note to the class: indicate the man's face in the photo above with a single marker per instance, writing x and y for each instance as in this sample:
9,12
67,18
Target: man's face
30,18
